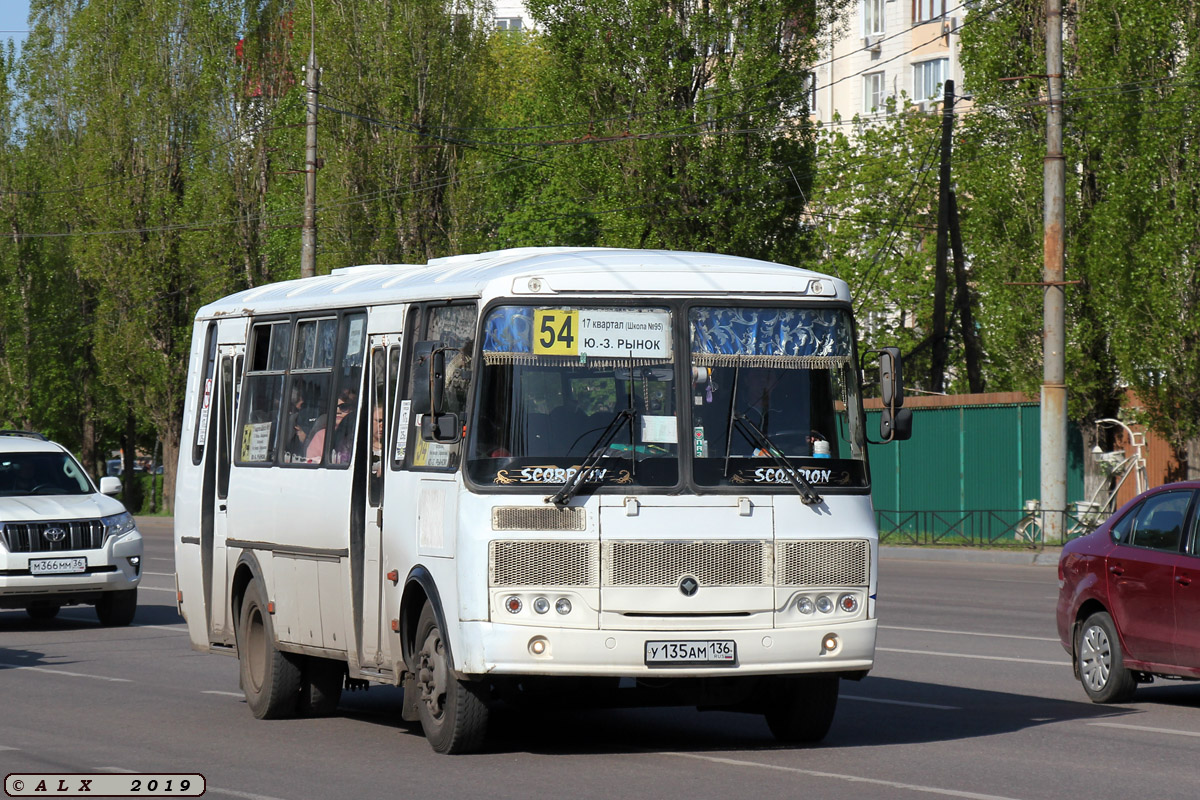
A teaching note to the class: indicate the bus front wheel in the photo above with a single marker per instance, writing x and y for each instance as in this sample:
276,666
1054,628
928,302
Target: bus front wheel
270,678
800,708
452,713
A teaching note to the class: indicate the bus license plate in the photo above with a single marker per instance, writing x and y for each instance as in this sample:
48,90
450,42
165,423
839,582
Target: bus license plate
57,566
710,651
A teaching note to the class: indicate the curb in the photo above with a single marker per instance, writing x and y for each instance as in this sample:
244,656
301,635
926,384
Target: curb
1047,557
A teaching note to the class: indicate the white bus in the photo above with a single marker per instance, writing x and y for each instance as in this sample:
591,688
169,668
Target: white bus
619,476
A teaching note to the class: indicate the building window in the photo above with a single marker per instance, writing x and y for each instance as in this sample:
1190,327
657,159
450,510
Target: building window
873,11
927,10
928,77
508,23
874,93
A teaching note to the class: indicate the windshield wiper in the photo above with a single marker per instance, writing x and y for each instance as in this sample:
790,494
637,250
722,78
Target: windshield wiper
572,484
808,495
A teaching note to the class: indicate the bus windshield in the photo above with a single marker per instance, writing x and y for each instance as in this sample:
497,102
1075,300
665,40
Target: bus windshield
773,390
560,384
766,392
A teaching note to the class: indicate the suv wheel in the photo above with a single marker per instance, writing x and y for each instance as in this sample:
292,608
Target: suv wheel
116,609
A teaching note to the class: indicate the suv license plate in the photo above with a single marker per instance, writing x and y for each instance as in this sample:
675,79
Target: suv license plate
57,566
710,651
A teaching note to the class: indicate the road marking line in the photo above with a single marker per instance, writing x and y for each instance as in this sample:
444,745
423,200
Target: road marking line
969,633
238,695
163,574
1144,728
965,655
182,628
898,702
157,589
837,776
243,795
69,674
160,558
3,747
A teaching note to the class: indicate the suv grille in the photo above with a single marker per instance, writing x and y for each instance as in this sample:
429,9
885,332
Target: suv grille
31,537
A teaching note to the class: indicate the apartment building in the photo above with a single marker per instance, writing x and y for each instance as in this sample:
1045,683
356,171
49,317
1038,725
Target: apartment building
888,49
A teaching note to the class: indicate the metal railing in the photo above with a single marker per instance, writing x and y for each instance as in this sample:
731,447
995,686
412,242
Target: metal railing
979,528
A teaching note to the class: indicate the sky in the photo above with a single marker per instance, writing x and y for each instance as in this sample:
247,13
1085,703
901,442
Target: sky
14,16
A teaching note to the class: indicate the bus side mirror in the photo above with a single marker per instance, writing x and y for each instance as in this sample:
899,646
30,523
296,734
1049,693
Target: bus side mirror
429,377
895,423
428,385
891,381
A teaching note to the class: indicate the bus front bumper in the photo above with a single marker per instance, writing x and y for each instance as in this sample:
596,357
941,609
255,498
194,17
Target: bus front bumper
488,648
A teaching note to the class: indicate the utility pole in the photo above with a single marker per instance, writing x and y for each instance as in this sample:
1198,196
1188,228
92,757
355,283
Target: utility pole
962,301
308,234
1054,388
937,361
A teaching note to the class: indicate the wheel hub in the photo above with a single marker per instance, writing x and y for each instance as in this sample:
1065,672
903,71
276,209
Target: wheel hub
1095,658
432,674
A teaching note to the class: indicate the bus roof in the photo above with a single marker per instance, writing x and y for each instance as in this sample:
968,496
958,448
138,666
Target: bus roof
557,270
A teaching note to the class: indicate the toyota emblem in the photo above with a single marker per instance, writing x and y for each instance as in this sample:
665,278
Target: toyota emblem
689,586
55,535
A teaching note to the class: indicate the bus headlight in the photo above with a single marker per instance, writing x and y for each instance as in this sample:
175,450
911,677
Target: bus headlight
805,605
824,604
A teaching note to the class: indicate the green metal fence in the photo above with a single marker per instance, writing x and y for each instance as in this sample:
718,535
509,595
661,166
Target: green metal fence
965,475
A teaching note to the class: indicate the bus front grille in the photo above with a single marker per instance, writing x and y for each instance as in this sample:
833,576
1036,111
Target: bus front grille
834,562
537,563
538,518
48,537
665,563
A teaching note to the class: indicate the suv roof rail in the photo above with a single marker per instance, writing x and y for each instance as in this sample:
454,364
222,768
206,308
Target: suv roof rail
26,434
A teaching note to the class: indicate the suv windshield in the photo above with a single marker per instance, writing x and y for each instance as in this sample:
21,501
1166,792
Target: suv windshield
770,383
23,474
555,379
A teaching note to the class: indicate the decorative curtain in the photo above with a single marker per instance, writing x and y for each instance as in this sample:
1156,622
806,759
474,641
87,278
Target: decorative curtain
804,338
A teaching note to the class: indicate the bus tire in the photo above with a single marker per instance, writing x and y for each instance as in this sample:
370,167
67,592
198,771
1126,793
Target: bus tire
321,686
270,679
800,708
116,609
453,714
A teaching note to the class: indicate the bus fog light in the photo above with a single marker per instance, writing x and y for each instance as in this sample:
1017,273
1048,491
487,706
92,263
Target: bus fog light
848,603
513,604
563,606
805,605
824,604
829,643
541,605
539,646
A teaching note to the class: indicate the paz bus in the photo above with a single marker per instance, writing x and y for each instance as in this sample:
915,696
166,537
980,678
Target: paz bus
599,475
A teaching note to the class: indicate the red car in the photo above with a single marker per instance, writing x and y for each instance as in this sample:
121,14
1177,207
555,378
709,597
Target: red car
1129,595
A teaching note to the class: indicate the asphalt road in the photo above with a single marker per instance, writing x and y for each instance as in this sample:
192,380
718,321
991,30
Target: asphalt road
971,697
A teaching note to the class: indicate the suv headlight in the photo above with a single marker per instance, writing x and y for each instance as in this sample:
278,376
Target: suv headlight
118,524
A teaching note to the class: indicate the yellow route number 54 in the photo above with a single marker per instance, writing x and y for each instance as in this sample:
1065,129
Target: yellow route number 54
556,332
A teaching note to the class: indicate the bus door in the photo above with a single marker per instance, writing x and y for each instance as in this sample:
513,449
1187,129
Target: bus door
216,470
383,369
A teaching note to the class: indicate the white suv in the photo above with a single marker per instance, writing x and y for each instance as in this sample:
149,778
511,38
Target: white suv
62,542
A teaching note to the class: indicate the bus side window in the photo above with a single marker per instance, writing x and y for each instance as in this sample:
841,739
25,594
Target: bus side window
339,434
393,399
264,392
455,326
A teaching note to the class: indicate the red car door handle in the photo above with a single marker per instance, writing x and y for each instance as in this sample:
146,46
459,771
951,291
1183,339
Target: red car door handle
1117,570
1183,580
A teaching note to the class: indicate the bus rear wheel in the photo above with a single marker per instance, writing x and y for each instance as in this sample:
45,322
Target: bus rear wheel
800,708
270,678
452,713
